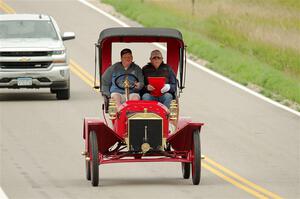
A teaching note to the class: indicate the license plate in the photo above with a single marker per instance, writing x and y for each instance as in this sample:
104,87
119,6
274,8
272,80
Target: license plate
25,81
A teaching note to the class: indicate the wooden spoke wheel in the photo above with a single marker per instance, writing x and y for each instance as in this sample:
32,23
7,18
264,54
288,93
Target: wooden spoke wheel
196,154
94,159
186,169
87,170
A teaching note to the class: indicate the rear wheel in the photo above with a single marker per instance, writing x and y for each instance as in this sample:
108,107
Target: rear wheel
186,168
196,163
94,161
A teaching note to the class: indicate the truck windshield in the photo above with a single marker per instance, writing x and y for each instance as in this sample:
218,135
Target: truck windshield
27,29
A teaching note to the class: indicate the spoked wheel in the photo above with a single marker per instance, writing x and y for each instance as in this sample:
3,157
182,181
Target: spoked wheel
196,153
94,162
87,170
186,168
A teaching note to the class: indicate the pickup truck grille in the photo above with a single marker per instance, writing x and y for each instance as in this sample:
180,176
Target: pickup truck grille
25,53
24,65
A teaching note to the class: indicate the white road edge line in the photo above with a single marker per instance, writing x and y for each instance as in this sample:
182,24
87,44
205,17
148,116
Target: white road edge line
2,194
227,80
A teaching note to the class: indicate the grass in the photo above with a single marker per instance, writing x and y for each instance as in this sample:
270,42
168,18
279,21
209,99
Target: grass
250,41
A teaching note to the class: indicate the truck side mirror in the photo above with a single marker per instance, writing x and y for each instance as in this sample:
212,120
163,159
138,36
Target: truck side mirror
68,36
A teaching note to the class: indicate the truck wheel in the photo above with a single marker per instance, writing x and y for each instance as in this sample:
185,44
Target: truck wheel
196,153
94,159
186,168
52,91
63,94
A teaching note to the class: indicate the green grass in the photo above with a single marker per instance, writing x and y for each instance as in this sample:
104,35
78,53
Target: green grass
250,41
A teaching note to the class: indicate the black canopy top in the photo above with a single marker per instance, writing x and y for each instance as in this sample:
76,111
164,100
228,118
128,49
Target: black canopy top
140,32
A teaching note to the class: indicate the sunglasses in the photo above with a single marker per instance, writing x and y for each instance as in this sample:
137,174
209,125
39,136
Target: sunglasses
156,58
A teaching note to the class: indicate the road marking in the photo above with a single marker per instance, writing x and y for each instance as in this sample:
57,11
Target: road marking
232,181
251,189
6,8
241,179
213,73
84,72
81,76
2,194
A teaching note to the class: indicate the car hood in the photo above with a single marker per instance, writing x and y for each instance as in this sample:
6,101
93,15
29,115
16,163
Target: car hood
26,44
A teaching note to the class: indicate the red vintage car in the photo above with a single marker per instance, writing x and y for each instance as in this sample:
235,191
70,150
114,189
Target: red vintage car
140,131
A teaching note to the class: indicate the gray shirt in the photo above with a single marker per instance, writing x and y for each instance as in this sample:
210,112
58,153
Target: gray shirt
108,85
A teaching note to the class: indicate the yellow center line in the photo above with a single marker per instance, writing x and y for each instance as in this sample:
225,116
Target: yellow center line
81,76
241,179
251,189
6,8
84,72
234,182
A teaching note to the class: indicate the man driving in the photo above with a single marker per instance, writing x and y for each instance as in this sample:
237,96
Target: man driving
125,66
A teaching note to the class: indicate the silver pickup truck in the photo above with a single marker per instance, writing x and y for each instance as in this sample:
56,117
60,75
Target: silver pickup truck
32,54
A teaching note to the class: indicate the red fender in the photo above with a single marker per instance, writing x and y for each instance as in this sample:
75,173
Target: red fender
182,139
106,137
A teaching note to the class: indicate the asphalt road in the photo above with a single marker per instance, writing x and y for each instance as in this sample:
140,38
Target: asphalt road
41,138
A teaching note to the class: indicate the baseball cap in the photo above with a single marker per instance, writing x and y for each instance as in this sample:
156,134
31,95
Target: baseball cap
155,53
125,50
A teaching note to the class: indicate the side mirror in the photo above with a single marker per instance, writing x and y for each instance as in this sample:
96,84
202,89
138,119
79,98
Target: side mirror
68,36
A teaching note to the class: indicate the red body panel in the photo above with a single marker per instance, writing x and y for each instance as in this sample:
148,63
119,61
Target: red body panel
106,137
139,106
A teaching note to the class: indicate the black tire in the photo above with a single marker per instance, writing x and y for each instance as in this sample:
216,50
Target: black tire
87,170
94,162
52,91
63,94
196,163
186,170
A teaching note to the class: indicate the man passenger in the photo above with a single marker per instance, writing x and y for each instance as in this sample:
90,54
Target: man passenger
157,68
125,66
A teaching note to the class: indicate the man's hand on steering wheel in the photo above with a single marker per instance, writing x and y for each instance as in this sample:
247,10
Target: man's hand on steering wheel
132,84
137,85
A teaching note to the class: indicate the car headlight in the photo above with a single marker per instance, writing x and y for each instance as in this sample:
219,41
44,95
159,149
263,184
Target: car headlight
58,52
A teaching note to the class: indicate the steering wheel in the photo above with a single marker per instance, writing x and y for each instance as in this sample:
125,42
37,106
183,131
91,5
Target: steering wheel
120,83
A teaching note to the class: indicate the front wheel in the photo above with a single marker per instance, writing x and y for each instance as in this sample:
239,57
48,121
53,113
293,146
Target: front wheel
196,163
94,159
63,94
87,170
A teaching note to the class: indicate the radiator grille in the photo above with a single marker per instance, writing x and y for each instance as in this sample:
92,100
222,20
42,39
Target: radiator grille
145,131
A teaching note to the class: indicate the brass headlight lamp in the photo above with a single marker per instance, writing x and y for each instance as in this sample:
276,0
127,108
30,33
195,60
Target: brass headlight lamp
173,110
112,109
